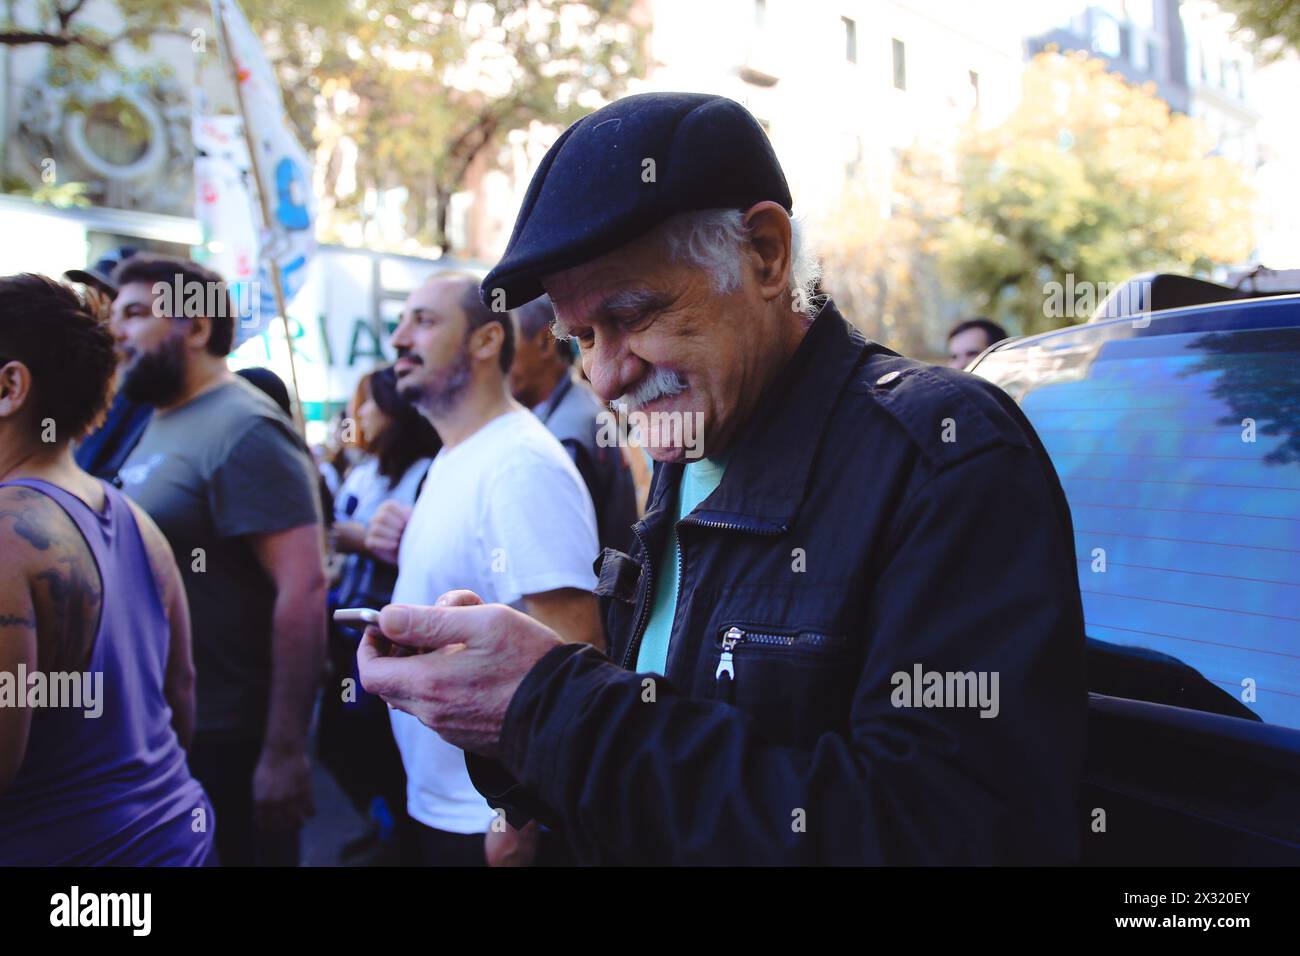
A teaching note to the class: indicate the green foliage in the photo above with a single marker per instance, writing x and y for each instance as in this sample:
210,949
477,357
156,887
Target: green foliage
1273,25
422,92
60,195
1090,177
418,92
79,50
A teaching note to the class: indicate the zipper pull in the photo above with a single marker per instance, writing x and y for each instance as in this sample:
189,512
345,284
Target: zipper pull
733,637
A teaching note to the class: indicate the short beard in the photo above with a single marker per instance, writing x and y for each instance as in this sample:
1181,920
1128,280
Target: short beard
157,377
437,398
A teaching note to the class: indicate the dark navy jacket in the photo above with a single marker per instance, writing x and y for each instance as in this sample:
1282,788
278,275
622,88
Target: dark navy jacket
878,517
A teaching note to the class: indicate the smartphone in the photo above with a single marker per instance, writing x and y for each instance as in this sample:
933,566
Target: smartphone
356,615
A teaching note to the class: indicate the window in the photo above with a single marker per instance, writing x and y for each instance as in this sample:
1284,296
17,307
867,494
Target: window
850,40
1106,35
1179,451
900,65
760,13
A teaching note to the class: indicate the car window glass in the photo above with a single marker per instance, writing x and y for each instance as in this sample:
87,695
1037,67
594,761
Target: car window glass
1180,457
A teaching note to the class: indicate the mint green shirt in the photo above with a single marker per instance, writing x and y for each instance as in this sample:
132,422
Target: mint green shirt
699,479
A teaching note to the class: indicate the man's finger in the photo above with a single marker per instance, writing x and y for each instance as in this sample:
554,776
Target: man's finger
373,644
429,628
380,674
460,598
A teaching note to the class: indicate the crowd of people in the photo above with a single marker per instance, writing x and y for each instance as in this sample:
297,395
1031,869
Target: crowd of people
213,458
574,662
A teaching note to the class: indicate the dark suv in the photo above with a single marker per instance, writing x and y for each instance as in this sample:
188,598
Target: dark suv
1177,438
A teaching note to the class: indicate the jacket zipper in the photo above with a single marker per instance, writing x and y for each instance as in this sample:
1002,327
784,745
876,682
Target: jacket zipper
726,664
803,638
634,645
734,636
647,601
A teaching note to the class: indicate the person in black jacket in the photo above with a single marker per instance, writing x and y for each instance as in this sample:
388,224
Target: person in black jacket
540,378
849,630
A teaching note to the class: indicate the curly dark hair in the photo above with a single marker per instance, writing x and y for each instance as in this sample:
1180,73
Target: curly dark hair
182,277
65,342
407,438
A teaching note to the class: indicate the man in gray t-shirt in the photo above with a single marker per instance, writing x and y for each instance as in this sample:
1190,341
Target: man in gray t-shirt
223,474
223,466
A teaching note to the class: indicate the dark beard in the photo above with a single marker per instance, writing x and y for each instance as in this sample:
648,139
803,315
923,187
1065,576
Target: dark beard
157,377
444,392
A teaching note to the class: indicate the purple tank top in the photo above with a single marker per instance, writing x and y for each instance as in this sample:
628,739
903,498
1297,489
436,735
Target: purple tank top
113,789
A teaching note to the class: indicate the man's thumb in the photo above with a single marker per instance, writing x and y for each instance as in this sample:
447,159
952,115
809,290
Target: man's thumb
460,598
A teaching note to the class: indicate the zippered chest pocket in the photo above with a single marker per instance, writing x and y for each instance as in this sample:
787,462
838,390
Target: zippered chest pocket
738,642
796,683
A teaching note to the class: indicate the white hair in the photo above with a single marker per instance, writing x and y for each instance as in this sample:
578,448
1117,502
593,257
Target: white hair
712,239
658,383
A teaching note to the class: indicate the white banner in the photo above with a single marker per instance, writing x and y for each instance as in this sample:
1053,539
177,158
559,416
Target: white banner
226,209
283,166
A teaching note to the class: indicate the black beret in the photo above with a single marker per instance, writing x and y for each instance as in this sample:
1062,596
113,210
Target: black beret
595,190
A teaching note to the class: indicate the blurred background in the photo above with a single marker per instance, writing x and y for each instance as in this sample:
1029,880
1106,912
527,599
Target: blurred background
949,158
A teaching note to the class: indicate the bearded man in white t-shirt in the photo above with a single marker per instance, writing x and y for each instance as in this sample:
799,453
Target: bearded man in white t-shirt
503,514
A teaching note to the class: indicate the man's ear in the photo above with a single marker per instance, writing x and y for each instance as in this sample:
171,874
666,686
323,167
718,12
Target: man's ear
15,388
486,341
768,228
200,330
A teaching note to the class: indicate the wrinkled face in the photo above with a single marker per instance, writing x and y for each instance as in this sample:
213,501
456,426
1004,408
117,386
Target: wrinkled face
655,334
152,346
433,362
965,347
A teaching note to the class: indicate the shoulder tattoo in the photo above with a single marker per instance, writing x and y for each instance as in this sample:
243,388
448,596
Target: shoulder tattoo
66,587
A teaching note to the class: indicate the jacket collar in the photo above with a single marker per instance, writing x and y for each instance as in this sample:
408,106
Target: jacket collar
546,408
770,463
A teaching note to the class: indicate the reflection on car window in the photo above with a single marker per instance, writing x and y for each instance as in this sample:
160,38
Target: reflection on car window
1180,456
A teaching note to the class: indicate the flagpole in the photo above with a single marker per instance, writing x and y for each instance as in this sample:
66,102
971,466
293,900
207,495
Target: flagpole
276,284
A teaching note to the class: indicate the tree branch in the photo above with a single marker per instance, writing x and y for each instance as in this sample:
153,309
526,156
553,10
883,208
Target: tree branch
25,38
66,15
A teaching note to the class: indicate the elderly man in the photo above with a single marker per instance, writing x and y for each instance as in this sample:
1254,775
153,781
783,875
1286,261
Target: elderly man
850,633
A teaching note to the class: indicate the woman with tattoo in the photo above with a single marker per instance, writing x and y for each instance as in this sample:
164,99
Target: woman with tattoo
96,672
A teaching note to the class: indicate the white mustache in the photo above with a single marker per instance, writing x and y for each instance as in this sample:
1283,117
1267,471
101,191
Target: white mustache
658,384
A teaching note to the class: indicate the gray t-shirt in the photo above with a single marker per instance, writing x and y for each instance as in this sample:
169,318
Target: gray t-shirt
223,466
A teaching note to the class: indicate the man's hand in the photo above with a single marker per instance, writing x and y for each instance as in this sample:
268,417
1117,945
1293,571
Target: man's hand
469,659
511,847
347,537
282,790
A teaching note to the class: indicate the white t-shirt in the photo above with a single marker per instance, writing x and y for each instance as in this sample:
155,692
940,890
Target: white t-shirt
503,514
365,489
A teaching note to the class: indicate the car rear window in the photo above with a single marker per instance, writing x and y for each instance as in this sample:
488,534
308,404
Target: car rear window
1180,456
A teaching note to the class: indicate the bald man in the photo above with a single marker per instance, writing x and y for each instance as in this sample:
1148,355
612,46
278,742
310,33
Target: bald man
503,512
